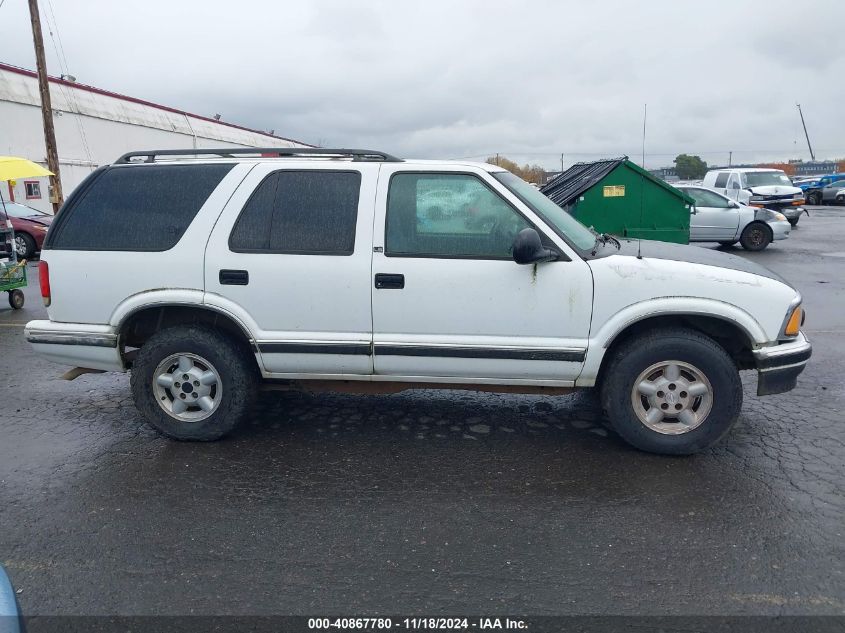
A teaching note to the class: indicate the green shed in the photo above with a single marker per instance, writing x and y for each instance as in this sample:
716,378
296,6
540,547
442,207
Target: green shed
619,197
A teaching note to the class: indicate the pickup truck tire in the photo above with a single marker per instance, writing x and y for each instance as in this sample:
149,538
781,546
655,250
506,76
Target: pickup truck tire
756,236
793,222
814,198
193,384
672,391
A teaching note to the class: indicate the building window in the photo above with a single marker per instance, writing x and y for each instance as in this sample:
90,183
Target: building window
33,189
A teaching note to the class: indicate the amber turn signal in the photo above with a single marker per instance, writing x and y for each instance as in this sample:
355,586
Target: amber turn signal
794,323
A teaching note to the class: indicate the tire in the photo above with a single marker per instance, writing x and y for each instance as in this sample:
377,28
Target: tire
793,222
24,245
16,298
689,349
840,199
814,198
728,242
755,237
230,390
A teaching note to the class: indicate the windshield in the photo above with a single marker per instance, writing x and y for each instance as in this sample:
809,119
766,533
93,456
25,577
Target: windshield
16,210
560,220
767,178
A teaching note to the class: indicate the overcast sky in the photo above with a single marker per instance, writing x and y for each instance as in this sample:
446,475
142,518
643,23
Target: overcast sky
469,78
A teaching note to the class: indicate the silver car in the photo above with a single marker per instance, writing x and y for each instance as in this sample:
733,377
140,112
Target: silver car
834,193
717,218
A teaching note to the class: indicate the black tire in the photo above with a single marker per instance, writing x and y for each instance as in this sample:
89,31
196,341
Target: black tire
755,237
814,198
16,298
793,222
628,360
728,242
24,245
840,200
236,368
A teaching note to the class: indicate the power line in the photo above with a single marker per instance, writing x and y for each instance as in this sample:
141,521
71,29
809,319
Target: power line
65,68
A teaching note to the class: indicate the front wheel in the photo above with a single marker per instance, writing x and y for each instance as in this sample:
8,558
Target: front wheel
672,391
191,383
814,198
755,237
793,222
24,246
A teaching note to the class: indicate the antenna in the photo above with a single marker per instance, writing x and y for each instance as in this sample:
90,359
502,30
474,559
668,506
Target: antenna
642,185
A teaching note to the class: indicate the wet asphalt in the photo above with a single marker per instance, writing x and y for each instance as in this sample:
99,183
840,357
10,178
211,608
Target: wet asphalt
429,502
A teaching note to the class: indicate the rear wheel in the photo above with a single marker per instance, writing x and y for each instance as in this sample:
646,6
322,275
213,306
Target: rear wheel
671,391
755,237
814,198
193,384
793,222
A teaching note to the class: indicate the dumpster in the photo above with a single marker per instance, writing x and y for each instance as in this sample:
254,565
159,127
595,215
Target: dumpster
619,197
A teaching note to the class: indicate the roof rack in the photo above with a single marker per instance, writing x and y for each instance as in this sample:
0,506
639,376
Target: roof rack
149,156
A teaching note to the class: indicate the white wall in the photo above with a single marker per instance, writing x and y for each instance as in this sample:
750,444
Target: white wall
94,129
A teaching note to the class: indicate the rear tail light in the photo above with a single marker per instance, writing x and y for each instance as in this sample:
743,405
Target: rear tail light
44,280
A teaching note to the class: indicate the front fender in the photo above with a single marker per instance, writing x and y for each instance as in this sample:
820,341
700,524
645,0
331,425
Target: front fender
602,338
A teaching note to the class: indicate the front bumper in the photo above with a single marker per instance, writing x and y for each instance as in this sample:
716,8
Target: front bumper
791,212
778,366
780,229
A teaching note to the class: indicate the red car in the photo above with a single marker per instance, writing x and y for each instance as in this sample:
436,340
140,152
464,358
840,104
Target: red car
30,227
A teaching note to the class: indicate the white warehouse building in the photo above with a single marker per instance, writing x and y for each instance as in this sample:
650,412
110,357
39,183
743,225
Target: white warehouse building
94,127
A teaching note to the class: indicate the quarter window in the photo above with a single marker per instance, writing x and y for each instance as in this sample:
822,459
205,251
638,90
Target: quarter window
300,212
448,215
136,208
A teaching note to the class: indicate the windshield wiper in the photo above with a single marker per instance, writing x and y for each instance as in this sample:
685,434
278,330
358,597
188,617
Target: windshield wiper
609,238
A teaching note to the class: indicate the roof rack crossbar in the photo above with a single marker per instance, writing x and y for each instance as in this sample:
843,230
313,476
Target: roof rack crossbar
149,156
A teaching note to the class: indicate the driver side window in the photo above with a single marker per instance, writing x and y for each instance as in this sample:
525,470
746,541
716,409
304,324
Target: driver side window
704,198
448,215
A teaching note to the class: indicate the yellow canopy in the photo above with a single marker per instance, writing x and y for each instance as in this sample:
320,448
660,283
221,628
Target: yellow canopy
12,168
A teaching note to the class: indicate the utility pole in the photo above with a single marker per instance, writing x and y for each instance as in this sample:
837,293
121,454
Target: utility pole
497,159
812,156
730,158
561,163
46,106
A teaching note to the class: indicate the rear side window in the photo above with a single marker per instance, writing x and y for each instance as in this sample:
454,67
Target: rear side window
139,208
300,212
721,180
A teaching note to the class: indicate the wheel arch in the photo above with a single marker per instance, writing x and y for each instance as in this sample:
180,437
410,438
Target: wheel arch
734,329
136,326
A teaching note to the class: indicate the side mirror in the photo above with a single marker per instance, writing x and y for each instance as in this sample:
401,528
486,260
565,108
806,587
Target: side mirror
529,249
693,210
734,205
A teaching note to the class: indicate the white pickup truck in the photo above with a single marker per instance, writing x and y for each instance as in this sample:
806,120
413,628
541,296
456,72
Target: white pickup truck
204,272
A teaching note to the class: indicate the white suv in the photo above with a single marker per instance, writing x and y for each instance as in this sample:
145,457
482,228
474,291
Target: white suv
204,271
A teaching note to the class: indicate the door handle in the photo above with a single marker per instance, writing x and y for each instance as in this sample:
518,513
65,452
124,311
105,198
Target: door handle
234,277
388,281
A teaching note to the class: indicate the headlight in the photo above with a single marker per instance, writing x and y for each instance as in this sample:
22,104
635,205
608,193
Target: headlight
780,217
